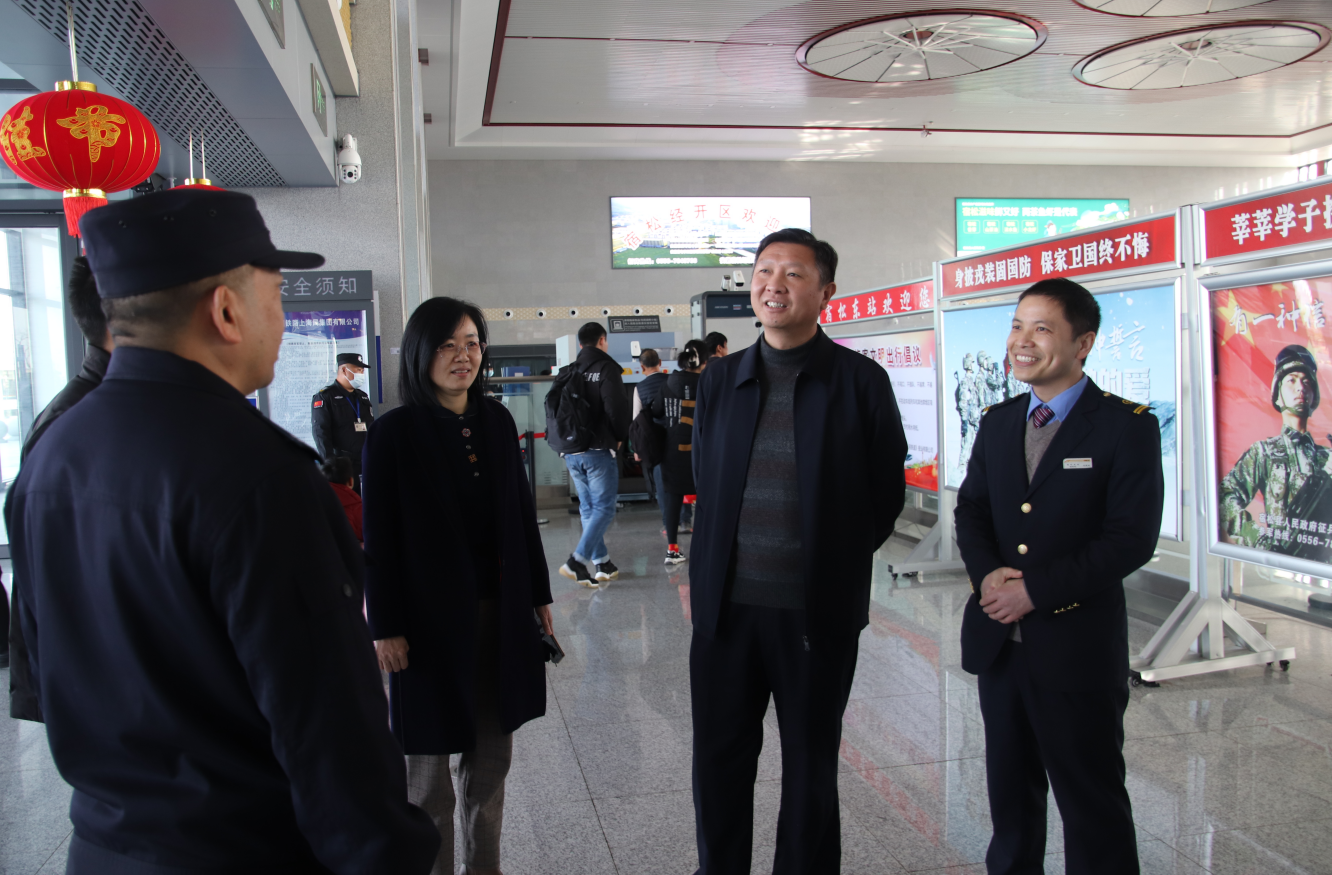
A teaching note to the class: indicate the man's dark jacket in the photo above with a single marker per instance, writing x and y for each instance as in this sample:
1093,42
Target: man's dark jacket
23,703
1087,527
412,517
850,450
191,594
612,409
649,389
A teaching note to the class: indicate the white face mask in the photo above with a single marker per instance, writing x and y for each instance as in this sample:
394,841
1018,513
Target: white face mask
359,381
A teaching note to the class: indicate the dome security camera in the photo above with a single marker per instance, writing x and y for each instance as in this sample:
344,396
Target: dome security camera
638,311
573,311
541,314
508,314
670,311
738,279
349,160
605,311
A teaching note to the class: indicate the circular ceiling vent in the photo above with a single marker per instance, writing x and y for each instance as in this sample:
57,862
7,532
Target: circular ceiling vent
919,47
1201,56
1166,8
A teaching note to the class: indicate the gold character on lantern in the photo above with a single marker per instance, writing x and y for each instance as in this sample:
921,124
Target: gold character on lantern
97,125
14,133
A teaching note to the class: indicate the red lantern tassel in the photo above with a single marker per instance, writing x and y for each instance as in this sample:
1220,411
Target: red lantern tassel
78,201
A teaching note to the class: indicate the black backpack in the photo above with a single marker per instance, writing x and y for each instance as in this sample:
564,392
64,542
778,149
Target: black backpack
647,438
569,413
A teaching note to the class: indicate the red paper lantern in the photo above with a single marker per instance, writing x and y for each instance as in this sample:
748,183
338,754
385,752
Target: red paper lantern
79,142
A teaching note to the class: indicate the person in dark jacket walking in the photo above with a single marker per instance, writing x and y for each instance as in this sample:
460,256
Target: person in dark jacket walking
798,452
456,569
209,687
86,307
676,406
645,393
594,470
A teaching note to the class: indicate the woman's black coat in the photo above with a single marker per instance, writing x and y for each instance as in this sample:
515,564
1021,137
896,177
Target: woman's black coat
676,405
420,583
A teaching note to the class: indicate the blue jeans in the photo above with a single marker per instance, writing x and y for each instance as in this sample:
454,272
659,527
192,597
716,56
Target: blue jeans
597,480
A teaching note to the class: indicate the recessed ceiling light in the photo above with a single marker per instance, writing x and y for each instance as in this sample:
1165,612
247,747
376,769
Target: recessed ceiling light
921,46
1166,8
1202,55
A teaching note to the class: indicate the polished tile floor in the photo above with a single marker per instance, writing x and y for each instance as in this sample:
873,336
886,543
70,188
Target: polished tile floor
1229,773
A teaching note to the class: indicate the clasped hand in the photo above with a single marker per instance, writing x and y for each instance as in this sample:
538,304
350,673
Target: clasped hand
1004,596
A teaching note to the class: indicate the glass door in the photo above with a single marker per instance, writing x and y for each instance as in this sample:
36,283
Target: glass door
37,343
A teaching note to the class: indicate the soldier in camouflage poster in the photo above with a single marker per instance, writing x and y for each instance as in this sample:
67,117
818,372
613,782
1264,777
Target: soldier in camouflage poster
1273,440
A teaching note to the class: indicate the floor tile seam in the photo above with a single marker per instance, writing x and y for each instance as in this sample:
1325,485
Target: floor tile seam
60,844
610,852
1170,841
588,787
866,831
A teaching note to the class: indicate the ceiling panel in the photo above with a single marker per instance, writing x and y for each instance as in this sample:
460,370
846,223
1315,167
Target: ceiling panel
704,63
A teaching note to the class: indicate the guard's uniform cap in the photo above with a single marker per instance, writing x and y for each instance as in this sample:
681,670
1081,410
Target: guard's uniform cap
174,237
351,358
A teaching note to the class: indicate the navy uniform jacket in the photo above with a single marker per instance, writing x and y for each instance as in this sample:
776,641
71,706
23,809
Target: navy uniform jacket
191,595
1084,528
850,448
333,415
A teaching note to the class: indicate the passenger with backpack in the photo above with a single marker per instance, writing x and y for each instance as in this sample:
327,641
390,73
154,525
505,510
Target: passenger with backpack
646,432
587,418
676,406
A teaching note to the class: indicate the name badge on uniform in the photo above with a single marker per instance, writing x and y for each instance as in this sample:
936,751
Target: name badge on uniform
1075,464
361,426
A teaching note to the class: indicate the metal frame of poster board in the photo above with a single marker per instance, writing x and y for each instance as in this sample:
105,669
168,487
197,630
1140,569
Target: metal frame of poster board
916,330
1130,267
1320,223
1215,545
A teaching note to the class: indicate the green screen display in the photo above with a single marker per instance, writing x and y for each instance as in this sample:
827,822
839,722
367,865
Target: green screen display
989,223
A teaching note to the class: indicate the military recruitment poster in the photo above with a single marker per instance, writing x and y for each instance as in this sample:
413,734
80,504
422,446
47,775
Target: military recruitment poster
1135,357
1273,434
908,357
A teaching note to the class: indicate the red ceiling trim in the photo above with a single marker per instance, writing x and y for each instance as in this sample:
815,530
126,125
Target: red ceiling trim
496,52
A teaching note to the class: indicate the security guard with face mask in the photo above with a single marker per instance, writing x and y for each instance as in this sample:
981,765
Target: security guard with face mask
1290,469
341,413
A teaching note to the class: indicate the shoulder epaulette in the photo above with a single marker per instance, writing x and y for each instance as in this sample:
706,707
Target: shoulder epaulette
1132,406
1003,403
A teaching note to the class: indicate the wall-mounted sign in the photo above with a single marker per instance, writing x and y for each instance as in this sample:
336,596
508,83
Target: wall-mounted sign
314,287
908,357
891,301
307,362
276,19
1267,224
626,324
698,231
318,99
1107,251
991,223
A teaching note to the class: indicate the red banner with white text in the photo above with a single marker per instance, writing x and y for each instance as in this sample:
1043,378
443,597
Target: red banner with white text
1264,224
890,301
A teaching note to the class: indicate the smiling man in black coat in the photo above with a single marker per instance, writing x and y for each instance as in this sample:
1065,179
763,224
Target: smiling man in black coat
798,450
1062,501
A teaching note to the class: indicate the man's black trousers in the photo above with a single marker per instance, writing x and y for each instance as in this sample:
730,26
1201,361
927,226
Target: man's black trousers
1077,740
759,652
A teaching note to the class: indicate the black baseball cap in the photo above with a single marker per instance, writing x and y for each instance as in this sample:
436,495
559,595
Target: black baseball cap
169,238
351,358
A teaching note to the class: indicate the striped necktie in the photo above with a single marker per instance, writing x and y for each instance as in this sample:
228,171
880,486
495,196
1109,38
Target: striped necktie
1041,415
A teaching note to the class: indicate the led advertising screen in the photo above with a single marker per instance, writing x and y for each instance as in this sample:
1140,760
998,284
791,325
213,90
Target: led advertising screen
698,231
989,223
1273,434
908,357
1135,357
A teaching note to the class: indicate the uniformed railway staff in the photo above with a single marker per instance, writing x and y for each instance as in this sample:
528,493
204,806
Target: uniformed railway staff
1047,545
208,682
1291,470
341,415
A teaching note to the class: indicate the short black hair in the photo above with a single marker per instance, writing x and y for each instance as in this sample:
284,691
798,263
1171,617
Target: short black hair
430,326
85,305
590,333
1080,307
336,469
824,254
714,340
649,358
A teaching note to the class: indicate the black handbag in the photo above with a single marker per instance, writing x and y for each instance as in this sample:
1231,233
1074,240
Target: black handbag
549,646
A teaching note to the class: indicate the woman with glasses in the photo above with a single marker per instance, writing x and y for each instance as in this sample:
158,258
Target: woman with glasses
455,568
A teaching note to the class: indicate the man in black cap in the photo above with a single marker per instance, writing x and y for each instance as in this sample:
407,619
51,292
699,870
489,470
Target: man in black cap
341,413
195,628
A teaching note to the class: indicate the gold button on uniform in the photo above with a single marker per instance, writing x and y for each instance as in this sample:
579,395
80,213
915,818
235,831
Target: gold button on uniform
1022,548
1026,508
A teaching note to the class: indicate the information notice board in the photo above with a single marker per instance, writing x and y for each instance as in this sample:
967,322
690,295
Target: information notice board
908,357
